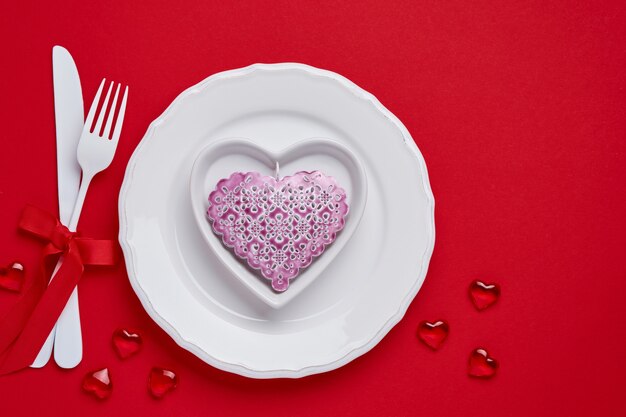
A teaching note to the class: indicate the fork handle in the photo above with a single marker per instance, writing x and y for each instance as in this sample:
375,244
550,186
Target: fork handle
80,200
68,339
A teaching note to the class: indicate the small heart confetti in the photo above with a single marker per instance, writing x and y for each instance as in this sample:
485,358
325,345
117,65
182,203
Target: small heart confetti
98,383
12,277
161,381
433,334
483,295
481,365
126,343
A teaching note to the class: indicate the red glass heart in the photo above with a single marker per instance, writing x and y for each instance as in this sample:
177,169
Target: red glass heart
12,277
161,381
483,295
481,365
433,334
98,383
126,343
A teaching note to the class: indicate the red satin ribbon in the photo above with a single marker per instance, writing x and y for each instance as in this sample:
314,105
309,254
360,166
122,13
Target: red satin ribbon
27,325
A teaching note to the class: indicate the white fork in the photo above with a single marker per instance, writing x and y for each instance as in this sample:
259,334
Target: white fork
95,153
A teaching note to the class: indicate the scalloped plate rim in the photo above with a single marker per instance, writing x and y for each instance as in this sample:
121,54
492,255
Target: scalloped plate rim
238,368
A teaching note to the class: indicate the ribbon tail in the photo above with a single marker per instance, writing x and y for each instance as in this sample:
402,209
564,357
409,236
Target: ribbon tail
28,343
13,322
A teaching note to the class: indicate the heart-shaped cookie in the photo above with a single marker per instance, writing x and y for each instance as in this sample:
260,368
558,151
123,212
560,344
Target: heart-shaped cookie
341,169
278,225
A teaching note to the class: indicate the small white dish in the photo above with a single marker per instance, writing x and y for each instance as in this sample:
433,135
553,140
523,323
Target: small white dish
220,159
358,297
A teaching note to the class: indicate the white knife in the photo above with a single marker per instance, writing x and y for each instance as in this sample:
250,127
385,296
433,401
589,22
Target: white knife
69,119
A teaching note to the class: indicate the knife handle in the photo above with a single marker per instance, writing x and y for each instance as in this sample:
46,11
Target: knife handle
46,351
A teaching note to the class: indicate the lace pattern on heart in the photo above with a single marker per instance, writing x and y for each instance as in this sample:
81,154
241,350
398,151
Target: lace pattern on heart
278,226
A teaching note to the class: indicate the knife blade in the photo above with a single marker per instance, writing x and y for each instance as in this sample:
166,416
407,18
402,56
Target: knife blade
69,118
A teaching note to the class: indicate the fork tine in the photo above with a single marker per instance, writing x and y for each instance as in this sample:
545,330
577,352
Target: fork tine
109,122
103,110
94,107
120,118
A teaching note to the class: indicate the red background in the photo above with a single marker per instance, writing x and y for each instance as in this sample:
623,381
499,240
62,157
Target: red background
518,108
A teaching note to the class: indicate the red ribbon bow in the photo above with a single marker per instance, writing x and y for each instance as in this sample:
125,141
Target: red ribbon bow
25,328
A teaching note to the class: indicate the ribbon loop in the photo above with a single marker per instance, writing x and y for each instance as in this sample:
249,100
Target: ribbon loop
45,226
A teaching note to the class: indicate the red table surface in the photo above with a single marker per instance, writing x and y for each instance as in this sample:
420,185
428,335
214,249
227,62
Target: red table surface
518,108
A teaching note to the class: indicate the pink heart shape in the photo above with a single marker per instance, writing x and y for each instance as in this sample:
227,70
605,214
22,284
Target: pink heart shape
278,225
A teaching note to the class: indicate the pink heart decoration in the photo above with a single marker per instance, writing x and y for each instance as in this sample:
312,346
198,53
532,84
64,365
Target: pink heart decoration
278,225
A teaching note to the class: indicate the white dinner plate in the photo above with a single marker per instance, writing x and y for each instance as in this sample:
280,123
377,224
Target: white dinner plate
345,306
